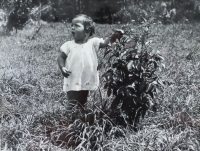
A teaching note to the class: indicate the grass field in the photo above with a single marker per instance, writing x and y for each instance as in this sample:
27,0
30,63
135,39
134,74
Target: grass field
31,89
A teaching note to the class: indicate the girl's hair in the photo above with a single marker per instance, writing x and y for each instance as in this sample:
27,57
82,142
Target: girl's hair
88,23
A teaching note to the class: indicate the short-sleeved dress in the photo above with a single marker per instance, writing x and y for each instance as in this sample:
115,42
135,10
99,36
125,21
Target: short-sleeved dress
82,62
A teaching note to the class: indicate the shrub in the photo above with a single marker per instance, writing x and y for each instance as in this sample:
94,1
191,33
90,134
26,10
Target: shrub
18,17
131,75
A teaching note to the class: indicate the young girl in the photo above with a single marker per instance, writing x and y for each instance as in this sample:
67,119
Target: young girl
78,60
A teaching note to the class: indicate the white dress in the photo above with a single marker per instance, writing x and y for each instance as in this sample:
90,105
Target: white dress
82,62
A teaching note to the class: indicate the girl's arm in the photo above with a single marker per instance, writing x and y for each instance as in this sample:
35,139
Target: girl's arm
61,63
105,43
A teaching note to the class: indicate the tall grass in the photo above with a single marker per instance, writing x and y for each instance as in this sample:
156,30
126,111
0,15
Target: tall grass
32,104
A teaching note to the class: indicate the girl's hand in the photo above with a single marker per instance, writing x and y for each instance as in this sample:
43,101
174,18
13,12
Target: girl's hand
111,38
118,33
65,72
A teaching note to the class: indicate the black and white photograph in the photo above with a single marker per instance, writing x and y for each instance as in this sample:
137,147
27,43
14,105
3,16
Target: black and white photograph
99,75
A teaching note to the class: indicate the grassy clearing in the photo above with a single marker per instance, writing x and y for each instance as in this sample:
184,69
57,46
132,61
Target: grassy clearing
31,90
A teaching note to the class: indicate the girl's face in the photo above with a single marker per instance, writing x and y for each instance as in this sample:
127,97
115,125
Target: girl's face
78,31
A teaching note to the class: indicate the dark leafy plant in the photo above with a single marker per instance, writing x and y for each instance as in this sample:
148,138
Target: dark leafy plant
17,17
131,75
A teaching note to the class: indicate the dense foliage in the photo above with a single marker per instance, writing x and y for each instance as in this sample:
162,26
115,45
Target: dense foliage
21,12
108,11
